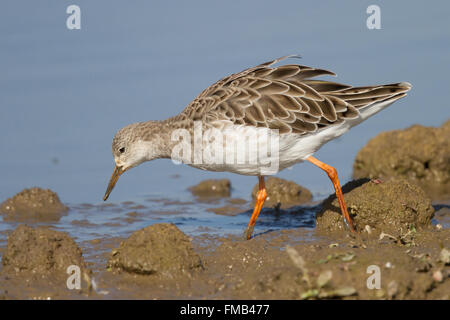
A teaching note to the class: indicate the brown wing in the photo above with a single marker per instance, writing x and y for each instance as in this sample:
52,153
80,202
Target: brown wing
284,98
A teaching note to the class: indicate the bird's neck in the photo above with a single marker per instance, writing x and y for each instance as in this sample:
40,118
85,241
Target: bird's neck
163,136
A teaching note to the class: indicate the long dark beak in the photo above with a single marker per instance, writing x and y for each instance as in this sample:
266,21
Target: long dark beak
112,182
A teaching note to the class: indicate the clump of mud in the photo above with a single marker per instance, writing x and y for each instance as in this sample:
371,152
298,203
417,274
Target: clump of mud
213,188
283,193
160,249
393,206
33,204
419,154
41,251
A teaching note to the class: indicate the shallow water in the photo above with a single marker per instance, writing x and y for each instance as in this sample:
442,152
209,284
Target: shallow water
65,93
87,222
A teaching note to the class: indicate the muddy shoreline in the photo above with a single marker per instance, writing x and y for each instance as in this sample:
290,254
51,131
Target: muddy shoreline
261,269
335,264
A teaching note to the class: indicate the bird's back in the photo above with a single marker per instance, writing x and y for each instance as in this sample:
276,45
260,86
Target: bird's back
286,98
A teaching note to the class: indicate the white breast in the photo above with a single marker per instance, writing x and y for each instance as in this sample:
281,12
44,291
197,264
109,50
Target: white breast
250,150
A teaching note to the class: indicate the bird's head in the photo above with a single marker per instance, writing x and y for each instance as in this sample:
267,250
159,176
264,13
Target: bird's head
131,146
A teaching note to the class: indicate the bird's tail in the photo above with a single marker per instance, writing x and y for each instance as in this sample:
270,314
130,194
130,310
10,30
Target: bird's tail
369,100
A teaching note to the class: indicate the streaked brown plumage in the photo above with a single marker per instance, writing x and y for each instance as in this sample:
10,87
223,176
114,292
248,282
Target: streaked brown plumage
283,98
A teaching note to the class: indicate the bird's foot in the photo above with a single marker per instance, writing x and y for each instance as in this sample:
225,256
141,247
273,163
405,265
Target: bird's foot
248,232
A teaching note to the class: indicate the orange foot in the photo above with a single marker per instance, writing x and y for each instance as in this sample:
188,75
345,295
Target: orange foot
332,174
260,198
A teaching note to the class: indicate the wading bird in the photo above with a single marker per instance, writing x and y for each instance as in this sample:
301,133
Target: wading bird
304,113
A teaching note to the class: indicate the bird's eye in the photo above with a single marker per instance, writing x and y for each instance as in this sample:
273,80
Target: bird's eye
122,150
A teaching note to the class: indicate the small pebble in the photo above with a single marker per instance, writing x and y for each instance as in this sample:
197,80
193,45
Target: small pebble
444,256
392,288
437,276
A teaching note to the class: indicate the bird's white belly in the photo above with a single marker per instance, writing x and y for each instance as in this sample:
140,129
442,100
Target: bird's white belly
249,150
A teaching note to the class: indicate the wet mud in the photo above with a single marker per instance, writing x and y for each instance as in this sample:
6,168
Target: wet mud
419,154
162,262
33,204
375,206
40,251
283,193
277,265
212,189
160,249
38,260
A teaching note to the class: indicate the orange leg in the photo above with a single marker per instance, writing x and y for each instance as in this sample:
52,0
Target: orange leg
332,174
260,198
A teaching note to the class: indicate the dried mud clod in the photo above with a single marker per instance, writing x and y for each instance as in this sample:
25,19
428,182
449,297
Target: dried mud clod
160,249
33,204
41,251
213,188
419,154
394,206
283,193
